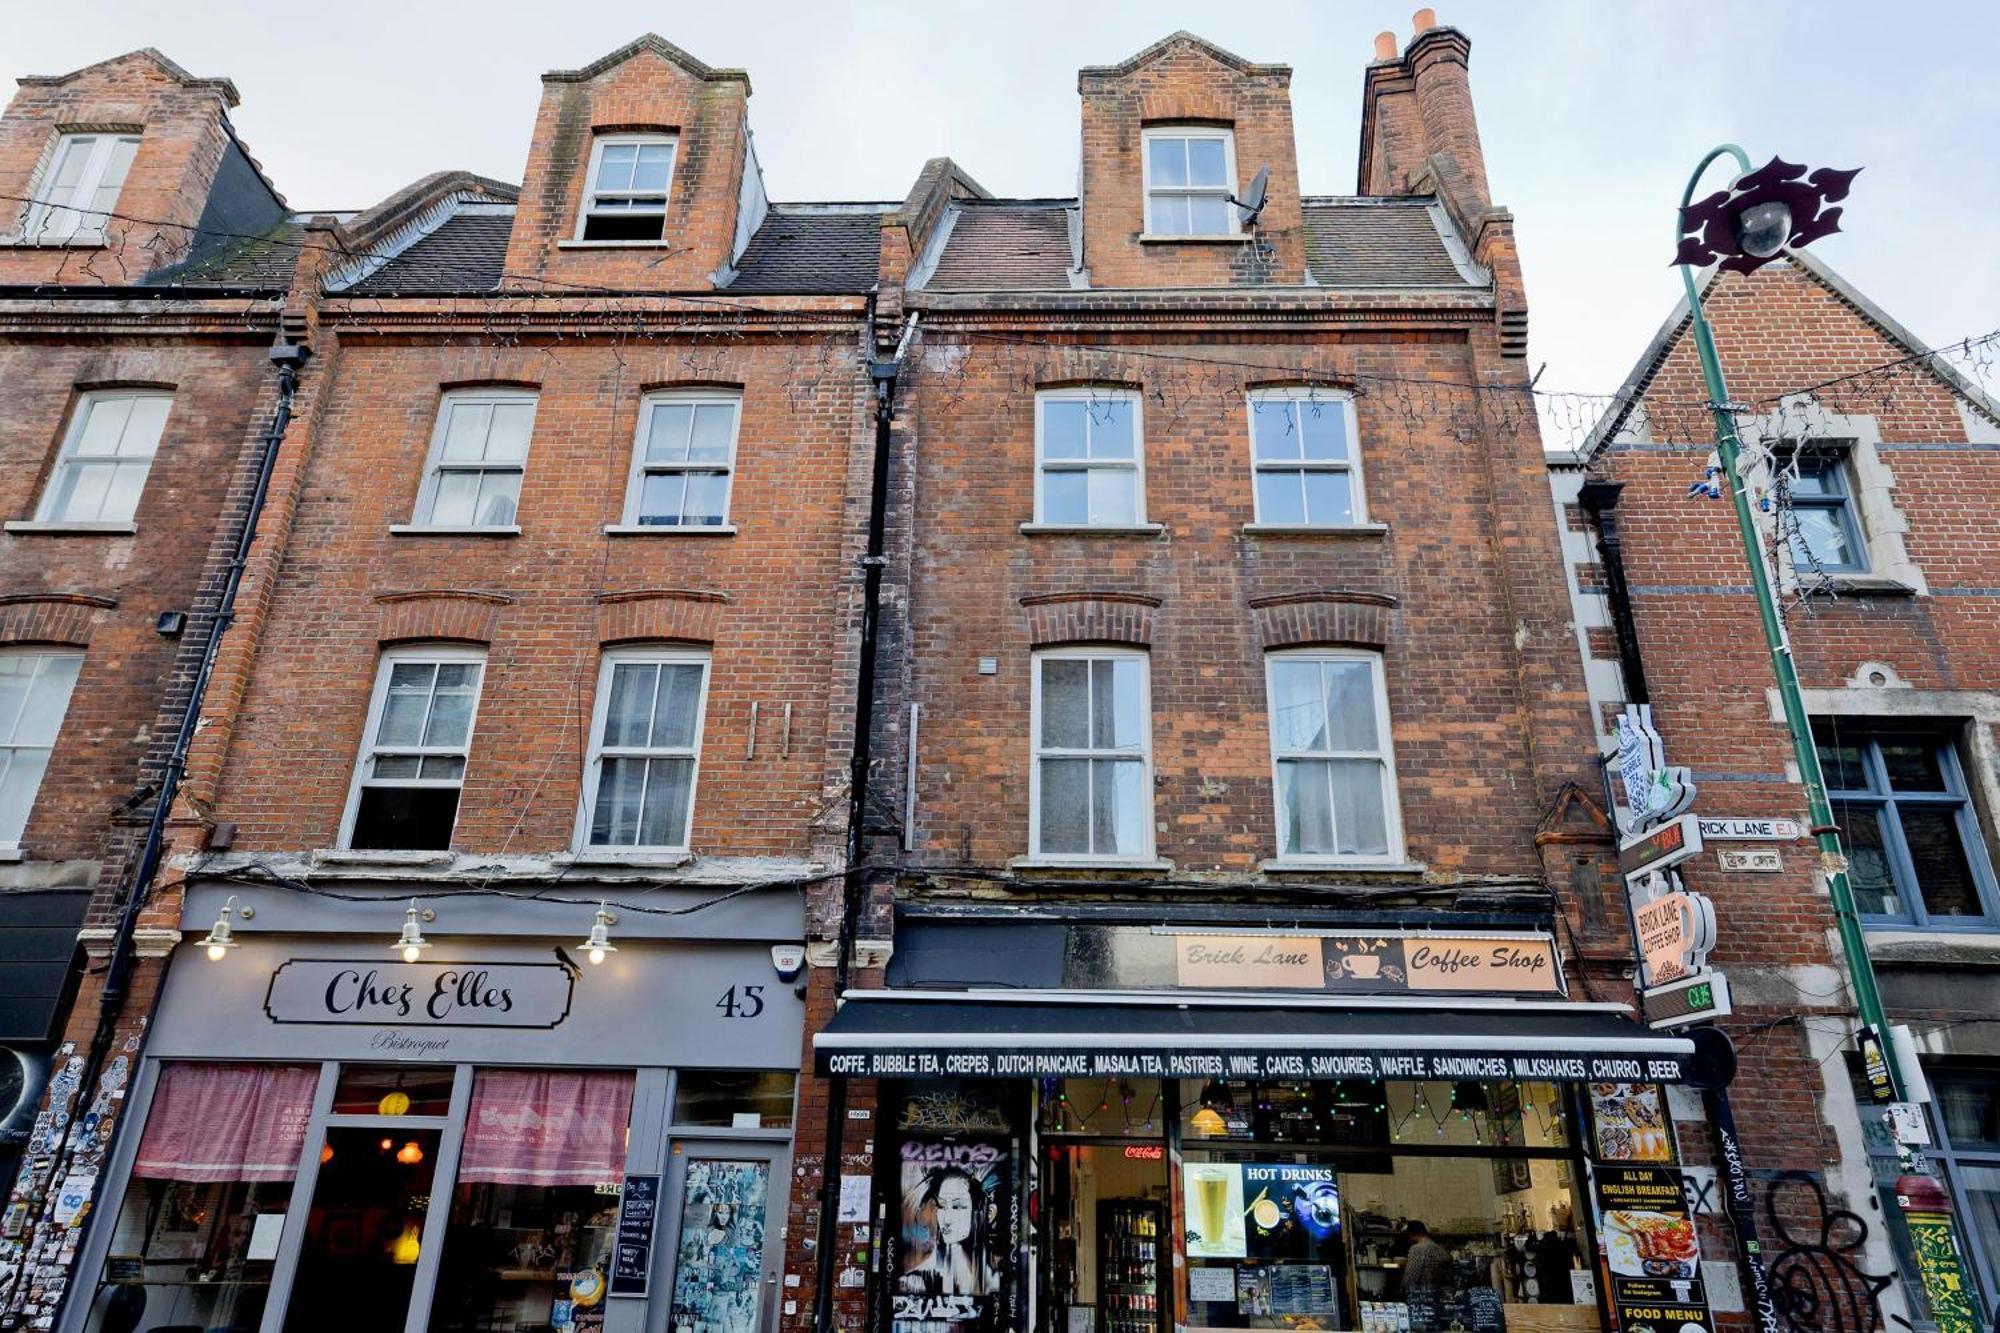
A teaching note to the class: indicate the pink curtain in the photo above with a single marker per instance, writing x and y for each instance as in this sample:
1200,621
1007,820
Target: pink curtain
546,1127
227,1122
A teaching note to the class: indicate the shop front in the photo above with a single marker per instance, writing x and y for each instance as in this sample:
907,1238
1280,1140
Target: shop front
332,1129
1205,1156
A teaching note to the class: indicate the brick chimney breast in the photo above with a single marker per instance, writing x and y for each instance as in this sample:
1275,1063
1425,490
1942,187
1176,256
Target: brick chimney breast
646,115
1209,120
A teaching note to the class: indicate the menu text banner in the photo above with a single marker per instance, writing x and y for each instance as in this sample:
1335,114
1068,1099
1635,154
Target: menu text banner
925,1060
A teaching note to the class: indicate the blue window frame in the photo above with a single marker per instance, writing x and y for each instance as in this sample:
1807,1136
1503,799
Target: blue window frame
1826,538
1913,844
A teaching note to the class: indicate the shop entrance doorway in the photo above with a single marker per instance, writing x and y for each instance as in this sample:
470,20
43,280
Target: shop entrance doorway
724,1208
1108,1237
364,1233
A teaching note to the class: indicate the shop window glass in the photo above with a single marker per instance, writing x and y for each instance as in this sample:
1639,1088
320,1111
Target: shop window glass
739,1098
395,1090
536,1205
196,1237
1126,1108
1297,1197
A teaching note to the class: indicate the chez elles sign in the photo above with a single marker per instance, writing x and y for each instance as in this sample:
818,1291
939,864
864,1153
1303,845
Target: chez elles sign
371,993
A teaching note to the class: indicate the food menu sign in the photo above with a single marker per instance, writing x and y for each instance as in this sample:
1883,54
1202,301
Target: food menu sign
1511,963
1651,1250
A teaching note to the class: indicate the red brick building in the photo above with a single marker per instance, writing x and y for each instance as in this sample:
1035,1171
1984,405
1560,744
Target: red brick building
137,307
1871,462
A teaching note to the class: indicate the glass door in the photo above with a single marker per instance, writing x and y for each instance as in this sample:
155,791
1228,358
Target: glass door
365,1229
725,1211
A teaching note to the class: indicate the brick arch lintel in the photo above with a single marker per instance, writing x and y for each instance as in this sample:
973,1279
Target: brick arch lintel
682,615
1341,615
51,617
465,614
1091,617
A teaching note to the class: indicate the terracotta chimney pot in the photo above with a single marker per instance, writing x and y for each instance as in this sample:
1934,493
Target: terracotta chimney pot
1424,21
1385,46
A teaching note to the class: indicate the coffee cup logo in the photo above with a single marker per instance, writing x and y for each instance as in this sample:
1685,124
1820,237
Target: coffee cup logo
1362,966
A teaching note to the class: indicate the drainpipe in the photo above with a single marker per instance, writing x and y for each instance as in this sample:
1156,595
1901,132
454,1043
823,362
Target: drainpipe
288,358
853,888
1599,499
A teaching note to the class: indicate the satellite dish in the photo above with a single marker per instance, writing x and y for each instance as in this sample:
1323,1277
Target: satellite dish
1252,202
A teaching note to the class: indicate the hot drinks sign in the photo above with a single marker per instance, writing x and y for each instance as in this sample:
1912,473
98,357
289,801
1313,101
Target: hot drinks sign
369,993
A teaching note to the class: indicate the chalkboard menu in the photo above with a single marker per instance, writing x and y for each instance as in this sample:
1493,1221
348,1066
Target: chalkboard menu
632,1248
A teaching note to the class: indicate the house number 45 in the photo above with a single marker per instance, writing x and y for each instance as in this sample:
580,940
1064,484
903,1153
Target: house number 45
741,1002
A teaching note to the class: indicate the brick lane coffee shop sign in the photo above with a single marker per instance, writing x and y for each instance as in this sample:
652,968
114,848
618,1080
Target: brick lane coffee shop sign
1514,963
371,993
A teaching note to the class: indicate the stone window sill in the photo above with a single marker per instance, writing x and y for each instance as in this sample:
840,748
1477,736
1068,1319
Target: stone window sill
53,528
1315,529
1093,529
1224,238
69,243
613,245
669,530
1865,585
10,855
1306,865
1087,863
658,858
441,530
377,856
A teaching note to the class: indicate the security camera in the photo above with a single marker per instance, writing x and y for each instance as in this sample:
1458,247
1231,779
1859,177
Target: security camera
789,960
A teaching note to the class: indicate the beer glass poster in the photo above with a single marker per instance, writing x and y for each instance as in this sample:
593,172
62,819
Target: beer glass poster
957,1228
1214,1195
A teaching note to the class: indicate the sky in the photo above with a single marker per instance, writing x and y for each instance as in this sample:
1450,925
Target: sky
1592,112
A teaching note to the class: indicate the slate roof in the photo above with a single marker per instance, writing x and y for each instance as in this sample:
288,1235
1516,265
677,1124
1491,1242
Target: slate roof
809,251
1376,243
1004,246
466,253
261,263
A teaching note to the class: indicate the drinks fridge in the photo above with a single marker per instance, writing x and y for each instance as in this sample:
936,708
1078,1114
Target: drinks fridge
1128,1265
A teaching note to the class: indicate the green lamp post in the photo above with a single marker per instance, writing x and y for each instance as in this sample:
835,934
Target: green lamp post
1763,213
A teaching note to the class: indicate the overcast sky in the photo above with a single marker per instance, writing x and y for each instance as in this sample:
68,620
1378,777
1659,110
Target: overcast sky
1592,113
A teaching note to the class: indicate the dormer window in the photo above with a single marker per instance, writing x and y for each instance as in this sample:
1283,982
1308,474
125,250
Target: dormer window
74,198
1190,175
626,196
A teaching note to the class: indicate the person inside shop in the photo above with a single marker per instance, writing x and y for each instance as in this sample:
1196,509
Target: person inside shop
1427,1267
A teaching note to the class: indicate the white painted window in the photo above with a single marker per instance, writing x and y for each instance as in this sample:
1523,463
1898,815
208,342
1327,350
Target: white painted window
478,452
1090,791
1190,175
1089,458
683,459
419,734
625,198
79,190
105,457
1335,775
35,685
1303,460
645,748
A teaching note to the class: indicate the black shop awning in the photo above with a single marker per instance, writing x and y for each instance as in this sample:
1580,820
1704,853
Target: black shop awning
891,1034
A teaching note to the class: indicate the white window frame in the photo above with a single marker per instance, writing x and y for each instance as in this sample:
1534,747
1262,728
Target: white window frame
635,483
379,696
1224,192
1036,752
70,222
1136,465
1351,468
1392,805
68,459
9,746
588,207
436,464
593,770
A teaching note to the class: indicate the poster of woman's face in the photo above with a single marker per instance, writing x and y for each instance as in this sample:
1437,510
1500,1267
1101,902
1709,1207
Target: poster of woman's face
956,1236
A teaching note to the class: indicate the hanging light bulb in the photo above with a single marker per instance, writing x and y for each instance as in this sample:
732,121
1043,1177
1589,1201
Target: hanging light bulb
599,942
220,941
410,1153
411,941
406,1248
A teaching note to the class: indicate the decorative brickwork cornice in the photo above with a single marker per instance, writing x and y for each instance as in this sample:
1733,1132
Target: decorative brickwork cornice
63,313
516,314
1347,616
1090,617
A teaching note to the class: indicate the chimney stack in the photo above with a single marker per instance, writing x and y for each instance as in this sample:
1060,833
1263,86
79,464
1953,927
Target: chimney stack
1418,132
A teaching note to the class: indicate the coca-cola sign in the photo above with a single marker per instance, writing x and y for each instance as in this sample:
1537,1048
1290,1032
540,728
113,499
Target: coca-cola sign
370,993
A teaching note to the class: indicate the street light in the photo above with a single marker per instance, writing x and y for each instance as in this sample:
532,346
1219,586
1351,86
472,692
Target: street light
1762,214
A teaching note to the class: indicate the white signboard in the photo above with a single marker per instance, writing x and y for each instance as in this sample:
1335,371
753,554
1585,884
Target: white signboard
1755,860
1738,829
365,991
1654,792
